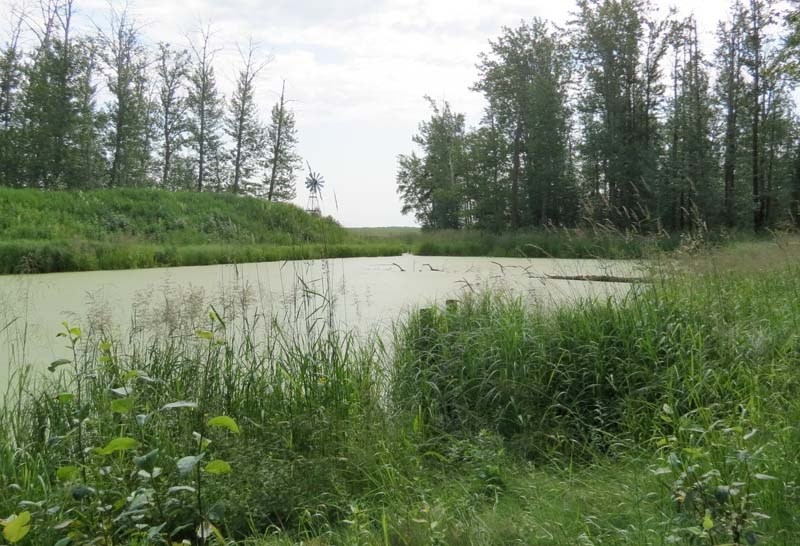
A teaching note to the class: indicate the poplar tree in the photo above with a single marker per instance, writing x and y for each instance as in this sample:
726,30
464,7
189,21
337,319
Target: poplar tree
205,106
525,77
171,74
282,161
243,126
621,46
730,95
130,109
431,186
10,86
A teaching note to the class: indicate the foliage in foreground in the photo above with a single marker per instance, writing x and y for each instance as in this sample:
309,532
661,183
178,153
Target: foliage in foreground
669,417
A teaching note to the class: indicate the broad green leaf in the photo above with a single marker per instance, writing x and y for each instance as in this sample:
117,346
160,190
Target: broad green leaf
67,473
66,541
75,332
122,443
122,405
65,397
224,422
16,527
205,334
58,363
217,466
187,464
181,404
147,461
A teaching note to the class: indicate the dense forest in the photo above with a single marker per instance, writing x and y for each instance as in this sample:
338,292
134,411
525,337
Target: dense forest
623,118
106,109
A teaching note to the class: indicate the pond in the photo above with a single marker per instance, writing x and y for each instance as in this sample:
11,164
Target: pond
364,295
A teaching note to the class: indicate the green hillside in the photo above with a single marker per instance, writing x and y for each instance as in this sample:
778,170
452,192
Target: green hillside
136,228
155,216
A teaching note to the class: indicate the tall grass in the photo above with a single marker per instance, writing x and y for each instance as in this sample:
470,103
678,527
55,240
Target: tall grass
43,232
158,217
669,417
23,257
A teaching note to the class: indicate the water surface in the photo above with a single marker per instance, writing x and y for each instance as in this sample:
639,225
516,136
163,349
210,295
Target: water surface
361,294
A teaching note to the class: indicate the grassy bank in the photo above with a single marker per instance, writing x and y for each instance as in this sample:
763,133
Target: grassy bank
667,418
42,232
543,243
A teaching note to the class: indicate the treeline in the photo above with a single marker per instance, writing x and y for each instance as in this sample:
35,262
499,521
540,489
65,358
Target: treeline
105,109
620,119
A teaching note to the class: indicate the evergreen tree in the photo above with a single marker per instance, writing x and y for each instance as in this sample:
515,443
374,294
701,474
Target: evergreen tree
282,161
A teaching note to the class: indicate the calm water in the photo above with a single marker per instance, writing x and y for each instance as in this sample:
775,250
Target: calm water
362,294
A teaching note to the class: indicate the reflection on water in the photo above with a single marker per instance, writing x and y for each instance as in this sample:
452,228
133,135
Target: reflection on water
361,294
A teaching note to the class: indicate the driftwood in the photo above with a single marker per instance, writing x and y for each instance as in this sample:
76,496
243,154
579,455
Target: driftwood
595,278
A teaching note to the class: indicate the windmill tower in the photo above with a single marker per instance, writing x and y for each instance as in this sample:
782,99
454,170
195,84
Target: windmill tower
314,184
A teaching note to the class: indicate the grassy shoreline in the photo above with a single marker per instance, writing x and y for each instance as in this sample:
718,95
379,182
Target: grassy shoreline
48,232
669,417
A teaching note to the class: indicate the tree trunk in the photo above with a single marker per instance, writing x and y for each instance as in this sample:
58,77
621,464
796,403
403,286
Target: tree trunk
758,219
515,174
276,150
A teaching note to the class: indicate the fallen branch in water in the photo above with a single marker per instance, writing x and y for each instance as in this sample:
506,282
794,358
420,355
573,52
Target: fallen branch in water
593,278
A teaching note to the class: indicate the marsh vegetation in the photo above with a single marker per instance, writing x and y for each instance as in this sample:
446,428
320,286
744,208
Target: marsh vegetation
667,416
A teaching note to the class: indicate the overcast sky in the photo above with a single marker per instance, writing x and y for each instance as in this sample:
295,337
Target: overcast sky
356,71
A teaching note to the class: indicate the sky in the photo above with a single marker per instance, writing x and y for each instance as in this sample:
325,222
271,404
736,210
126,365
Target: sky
356,72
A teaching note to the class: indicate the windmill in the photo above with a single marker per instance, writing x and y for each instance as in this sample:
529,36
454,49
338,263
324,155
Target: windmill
314,184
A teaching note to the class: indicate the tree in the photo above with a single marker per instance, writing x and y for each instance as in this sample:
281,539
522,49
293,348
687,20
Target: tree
729,94
432,186
524,78
621,46
486,176
171,73
690,170
10,84
282,161
242,124
130,110
206,108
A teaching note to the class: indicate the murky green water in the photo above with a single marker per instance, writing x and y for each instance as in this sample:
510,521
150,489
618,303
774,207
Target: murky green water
362,294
